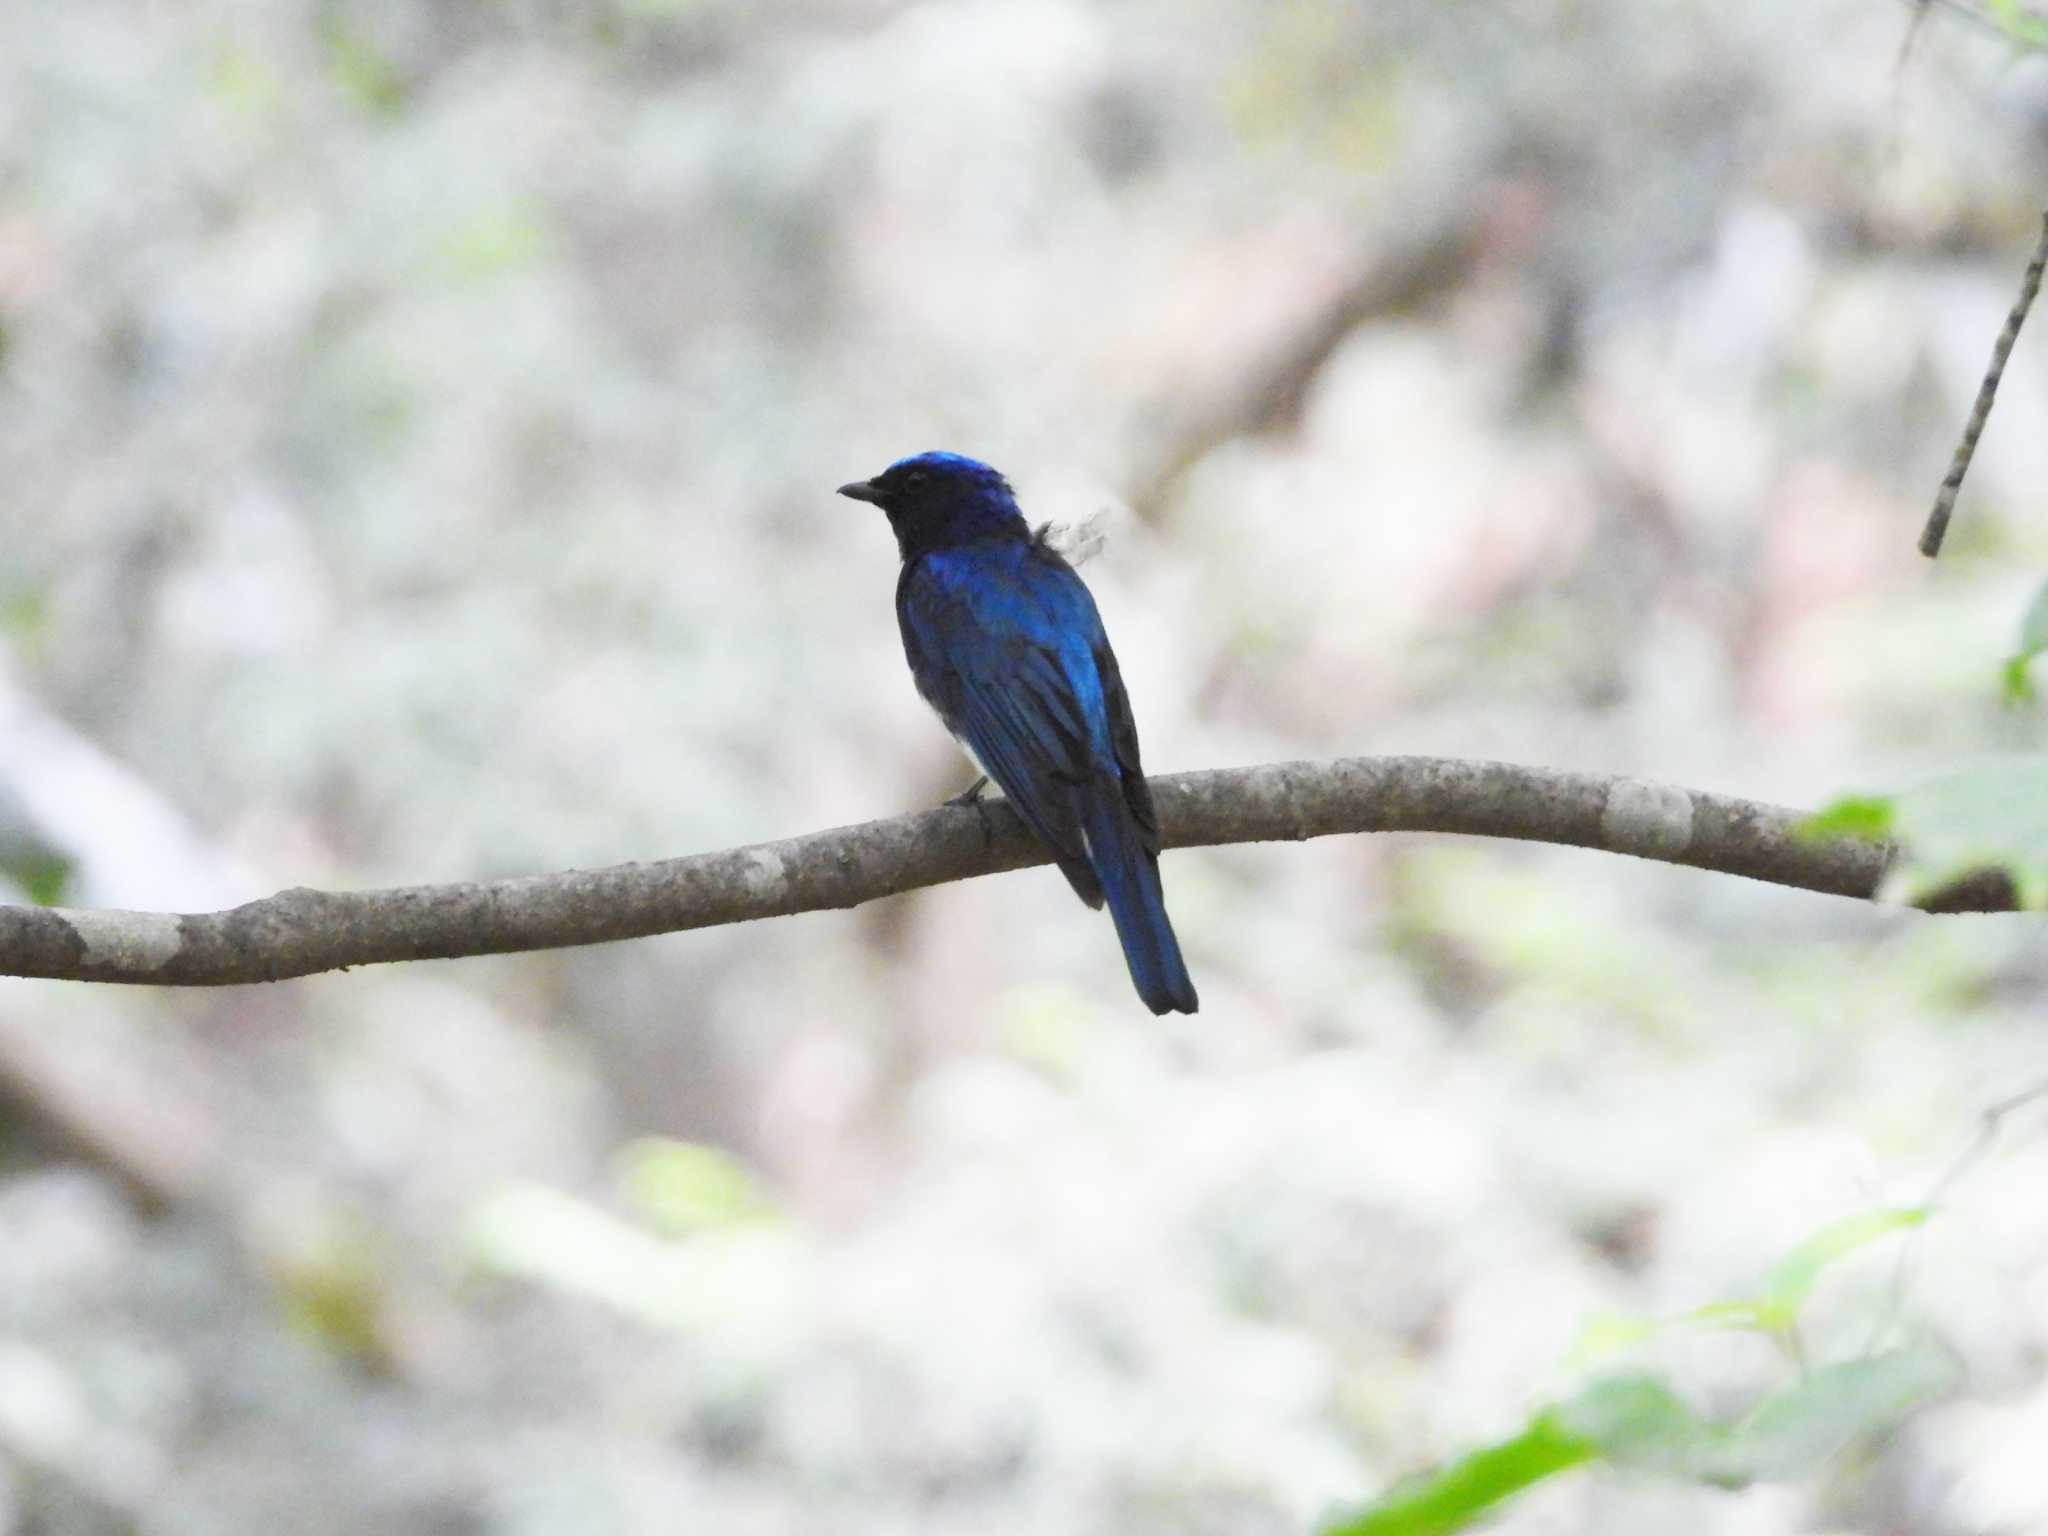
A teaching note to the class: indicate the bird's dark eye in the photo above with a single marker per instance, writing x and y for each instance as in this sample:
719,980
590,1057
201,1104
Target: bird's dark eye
916,477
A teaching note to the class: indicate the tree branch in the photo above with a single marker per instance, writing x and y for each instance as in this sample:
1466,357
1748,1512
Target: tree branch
300,932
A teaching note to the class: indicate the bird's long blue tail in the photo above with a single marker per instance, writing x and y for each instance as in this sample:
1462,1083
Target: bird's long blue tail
1129,876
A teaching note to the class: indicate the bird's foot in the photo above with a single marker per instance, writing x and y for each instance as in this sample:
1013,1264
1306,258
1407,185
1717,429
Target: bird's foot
971,795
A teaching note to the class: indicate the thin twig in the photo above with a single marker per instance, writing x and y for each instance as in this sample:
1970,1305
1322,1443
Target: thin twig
1989,1124
1972,14
1945,499
1911,34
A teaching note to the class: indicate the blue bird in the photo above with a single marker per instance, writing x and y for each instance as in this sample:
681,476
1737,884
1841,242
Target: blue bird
1005,643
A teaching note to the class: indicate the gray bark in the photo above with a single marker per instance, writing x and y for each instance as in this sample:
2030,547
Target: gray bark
300,932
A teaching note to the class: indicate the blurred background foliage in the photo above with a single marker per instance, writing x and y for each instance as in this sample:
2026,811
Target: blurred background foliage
420,421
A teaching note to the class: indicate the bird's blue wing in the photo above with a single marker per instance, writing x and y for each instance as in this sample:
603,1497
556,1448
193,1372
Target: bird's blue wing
1003,642
1123,741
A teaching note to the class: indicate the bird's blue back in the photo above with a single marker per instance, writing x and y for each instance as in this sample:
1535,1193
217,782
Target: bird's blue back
1018,628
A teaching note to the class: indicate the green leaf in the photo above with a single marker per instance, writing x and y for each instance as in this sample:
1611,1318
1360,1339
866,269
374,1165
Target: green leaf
542,1234
747,1293
1994,816
2019,24
1868,818
1794,1432
1792,1278
1775,1307
683,1186
1638,1421
2016,683
1730,1314
43,874
1452,1497
1634,1420
1604,1335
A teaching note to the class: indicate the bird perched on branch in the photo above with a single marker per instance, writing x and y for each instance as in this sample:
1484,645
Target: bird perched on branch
1005,643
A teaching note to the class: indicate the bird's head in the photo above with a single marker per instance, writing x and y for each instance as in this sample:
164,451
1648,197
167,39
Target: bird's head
938,499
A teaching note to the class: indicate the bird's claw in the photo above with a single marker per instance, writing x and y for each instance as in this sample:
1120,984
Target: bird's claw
971,795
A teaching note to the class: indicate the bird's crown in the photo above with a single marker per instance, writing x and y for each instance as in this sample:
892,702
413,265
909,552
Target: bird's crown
937,465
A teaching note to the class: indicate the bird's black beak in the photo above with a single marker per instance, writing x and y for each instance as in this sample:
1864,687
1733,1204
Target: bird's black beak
862,490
